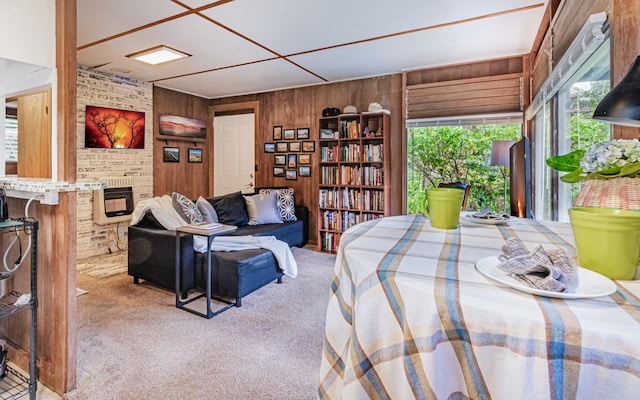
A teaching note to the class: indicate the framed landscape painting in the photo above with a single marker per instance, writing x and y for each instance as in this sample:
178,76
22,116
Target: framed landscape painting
111,128
173,125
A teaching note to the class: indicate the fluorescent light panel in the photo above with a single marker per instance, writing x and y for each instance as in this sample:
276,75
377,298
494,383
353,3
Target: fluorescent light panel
158,55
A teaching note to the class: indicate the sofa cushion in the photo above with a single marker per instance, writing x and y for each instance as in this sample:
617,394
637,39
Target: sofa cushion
286,203
206,209
231,209
187,207
263,209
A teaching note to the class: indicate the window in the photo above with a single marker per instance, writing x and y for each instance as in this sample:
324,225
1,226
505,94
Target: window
448,150
575,102
11,134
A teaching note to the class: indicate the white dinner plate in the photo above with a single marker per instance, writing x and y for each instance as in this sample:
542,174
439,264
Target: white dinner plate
486,221
586,284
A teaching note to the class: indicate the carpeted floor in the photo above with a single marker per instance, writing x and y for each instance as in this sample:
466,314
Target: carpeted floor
133,343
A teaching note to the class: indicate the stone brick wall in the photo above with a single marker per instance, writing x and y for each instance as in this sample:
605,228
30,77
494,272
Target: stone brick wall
105,90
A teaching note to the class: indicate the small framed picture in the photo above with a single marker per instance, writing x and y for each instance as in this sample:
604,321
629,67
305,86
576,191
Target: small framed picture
294,146
280,159
304,159
289,134
282,147
170,154
309,146
292,160
269,147
302,133
194,155
304,171
278,171
291,174
277,133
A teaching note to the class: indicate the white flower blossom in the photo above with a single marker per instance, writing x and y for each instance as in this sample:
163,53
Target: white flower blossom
606,155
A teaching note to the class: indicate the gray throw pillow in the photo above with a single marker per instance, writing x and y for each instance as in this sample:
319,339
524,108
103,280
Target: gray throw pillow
206,209
263,209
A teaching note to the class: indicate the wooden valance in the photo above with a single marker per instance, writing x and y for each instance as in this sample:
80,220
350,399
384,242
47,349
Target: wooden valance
486,95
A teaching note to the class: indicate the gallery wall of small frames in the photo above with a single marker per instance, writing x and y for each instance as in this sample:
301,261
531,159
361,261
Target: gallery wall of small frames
292,150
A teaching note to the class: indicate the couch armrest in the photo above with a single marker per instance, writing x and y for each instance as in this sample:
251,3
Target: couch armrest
302,213
152,256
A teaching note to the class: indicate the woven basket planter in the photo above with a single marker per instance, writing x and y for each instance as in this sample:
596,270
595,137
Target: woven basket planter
623,193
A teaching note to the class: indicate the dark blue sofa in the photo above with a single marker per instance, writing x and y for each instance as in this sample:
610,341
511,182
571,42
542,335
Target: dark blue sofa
152,249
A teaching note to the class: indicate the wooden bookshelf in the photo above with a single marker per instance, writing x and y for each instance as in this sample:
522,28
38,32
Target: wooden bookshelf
354,157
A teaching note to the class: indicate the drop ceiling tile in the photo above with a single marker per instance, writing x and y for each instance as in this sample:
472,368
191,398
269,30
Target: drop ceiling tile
478,40
210,46
99,19
291,26
253,78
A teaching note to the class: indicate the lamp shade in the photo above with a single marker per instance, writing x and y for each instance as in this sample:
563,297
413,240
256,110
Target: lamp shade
621,105
500,152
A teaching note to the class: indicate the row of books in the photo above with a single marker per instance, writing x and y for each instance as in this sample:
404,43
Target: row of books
367,200
349,129
343,220
330,241
352,175
352,153
329,154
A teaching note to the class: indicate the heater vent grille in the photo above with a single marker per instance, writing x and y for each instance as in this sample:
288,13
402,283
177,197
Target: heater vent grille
119,181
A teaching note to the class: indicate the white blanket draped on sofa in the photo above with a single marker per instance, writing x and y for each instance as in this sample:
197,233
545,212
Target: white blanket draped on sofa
163,211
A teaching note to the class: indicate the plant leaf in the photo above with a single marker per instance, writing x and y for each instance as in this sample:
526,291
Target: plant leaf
630,169
573,176
567,162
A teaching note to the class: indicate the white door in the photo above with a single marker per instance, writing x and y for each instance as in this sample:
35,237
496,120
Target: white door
233,156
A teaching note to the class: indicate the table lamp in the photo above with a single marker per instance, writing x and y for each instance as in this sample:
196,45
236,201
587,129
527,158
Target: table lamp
500,157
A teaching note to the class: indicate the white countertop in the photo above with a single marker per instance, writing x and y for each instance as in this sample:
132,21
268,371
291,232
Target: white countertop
44,189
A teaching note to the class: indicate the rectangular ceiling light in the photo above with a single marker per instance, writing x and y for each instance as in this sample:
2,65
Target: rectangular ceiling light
158,55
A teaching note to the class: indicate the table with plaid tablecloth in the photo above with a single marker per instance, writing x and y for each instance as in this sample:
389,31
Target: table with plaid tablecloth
410,317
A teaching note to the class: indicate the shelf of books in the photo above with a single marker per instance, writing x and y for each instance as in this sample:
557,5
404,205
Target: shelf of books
354,154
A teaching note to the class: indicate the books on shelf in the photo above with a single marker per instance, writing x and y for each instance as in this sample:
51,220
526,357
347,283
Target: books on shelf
204,227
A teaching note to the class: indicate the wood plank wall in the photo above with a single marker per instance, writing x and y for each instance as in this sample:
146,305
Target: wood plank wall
567,21
190,179
292,108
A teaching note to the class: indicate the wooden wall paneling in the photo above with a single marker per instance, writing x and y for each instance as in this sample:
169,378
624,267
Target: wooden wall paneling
190,179
501,66
624,50
572,17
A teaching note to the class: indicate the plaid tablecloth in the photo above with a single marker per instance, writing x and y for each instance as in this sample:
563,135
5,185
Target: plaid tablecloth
410,317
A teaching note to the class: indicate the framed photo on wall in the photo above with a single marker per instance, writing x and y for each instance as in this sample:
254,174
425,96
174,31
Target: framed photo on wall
278,171
302,133
291,174
282,147
269,147
294,146
289,134
195,155
304,159
309,146
277,133
292,160
280,159
304,171
171,154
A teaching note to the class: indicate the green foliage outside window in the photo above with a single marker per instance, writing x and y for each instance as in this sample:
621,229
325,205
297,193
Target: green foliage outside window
457,153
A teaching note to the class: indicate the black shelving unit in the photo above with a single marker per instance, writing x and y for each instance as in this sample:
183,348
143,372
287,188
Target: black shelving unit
15,385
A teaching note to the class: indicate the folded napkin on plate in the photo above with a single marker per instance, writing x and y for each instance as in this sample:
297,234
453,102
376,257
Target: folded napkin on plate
486,213
546,270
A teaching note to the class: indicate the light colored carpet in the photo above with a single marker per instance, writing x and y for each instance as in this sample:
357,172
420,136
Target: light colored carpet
133,343
105,265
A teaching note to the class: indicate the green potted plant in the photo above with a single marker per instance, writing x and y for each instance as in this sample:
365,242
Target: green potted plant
609,169
606,160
